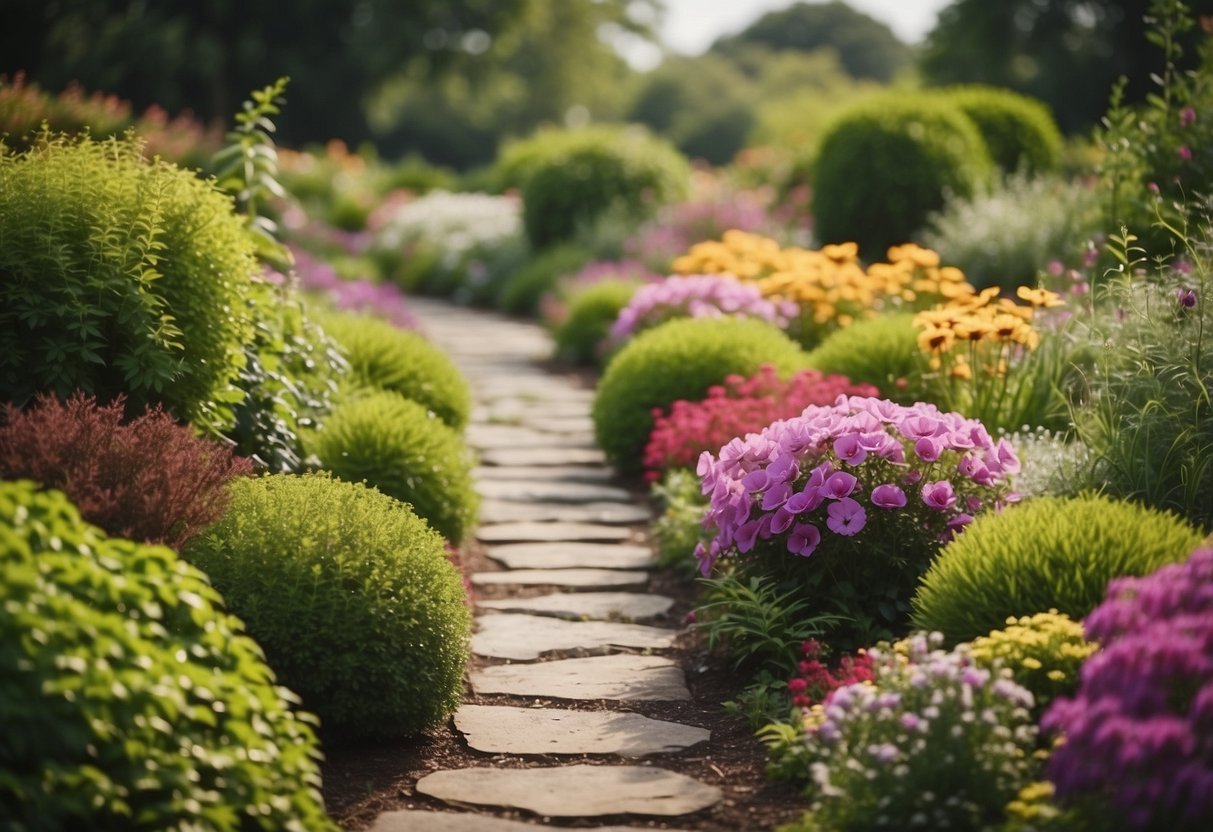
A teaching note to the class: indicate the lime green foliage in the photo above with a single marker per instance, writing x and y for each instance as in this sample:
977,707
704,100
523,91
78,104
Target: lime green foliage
680,359
522,290
120,275
130,699
1018,130
1043,652
886,164
351,595
568,180
384,357
680,526
581,336
394,444
882,351
1047,553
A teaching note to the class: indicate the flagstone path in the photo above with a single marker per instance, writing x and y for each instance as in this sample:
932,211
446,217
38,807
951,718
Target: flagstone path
569,619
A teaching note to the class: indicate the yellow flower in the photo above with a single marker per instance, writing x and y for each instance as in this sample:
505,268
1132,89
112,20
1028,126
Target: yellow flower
1039,297
972,328
961,370
936,339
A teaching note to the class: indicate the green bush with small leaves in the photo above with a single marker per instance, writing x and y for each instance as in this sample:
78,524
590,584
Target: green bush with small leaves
882,351
350,594
887,163
524,288
130,699
1046,553
679,528
680,359
385,357
402,449
1019,131
121,275
581,336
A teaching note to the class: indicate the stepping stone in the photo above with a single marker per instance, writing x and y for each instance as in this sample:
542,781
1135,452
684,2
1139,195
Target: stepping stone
517,532
526,637
488,437
520,408
555,456
574,791
560,424
631,606
520,491
612,514
550,473
417,820
622,677
499,729
568,578
572,555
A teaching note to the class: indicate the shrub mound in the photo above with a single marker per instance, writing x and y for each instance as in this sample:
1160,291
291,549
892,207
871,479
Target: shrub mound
680,359
384,357
887,163
351,595
395,445
121,275
1019,131
882,351
1047,553
150,480
581,335
522,291
130,699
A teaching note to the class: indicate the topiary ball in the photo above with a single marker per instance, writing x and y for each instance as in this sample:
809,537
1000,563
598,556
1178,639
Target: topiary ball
398,447
1046,553
680,359
1019,131
121,275
130,699
351,595
384,357
581,337
886,164
882,351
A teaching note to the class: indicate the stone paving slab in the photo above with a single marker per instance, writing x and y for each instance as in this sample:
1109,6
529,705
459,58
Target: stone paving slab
523,491
492,437
574,791
488,389
571,555
611,514
545,473
502,729
520,532
567,578
521,408
631,606
623,677
526,637
558,424
555,456
417,820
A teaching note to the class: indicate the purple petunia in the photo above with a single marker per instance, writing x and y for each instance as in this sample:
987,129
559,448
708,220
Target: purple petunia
697,296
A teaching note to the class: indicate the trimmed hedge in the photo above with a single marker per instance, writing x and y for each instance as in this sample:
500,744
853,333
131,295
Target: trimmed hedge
1019,131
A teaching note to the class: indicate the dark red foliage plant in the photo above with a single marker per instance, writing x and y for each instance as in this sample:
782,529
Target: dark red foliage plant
149,479
735,408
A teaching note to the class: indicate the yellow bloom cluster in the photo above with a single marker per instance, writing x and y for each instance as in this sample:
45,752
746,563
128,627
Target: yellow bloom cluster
1043,652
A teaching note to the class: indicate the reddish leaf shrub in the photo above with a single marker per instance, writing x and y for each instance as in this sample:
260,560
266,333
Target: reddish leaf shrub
735,408
815,681
150,480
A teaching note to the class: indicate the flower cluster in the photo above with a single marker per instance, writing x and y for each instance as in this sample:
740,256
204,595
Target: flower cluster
815,681
842,469
384,300
1043,652
1138,736
879,754
735,408
677,227
458,222
696,296
554,306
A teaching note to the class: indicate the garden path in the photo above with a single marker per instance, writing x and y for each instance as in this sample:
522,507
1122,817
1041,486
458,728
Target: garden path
561,640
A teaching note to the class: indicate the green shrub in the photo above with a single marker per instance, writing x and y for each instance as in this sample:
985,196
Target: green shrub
882,351
576,178
397,446
1044,653
350,594
885,165
580,338
522,290
385,357
1046,553
120,276
130,699
680,527
1018,130
680,359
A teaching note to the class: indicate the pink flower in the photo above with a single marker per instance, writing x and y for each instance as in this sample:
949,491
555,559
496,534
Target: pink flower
803,539
849,449
938,495
888,496
806,500
1185,152
846,517
928,449
1186,116
839,485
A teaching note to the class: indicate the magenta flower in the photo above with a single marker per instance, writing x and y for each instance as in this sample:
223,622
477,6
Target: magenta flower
839,485
938,495
849,448
1186,298
928,449
846,517
803,539
1187,116
888,496
1185,152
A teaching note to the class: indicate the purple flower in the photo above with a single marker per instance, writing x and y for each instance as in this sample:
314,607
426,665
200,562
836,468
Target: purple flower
756,481
846,517
1187,116
888,496
849,448
1186,298
1184,152
806,500
776,496
803,539
938,495
928,449
840,484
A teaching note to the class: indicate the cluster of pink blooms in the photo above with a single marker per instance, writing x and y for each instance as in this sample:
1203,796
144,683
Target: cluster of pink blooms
815,681
698,296
842,466
384,300
735,408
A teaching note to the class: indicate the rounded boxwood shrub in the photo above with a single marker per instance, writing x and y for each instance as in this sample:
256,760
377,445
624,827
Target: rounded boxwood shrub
385,357
121,275
350,594
130,699
581,336
1047,553
573,180
680,359
1019,131
882,351
397,446
886,164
